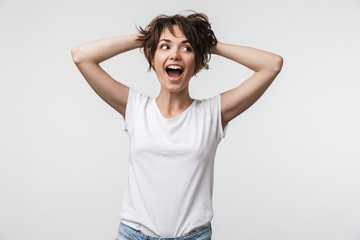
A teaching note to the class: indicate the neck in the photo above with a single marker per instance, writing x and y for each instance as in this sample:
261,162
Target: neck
172,102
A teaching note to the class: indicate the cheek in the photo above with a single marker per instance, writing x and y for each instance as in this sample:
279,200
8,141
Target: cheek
191,60
155,64
158,60
191,64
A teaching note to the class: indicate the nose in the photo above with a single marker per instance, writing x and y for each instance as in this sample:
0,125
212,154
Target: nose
174,54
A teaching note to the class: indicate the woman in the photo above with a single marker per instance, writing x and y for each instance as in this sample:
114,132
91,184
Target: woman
173,138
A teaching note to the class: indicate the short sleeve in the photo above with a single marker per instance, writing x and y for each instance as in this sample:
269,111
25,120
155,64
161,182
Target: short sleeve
216,115
135,100
129,109
221,130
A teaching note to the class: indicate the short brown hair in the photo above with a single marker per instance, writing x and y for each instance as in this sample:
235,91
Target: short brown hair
196,28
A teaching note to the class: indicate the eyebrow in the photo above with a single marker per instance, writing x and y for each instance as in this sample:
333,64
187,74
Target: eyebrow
168,40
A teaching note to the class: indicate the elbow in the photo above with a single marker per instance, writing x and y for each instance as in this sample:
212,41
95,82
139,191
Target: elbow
278,63
75,54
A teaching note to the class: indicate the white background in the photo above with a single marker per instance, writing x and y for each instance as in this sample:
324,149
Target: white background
288,167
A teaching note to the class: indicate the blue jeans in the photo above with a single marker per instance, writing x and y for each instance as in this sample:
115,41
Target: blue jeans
128,233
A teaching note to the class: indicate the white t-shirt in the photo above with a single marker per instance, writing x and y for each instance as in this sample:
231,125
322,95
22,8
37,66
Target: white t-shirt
168,192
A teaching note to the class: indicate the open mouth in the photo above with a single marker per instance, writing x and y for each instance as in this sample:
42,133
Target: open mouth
174,72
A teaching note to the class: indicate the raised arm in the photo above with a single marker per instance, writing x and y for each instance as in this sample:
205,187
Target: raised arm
87,58
266,66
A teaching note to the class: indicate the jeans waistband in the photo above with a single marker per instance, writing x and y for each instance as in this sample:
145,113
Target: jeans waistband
136,234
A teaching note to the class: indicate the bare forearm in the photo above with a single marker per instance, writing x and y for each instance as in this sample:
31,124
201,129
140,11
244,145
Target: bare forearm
100,50
252,58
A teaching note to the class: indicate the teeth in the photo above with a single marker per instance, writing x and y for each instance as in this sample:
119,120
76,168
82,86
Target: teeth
174,67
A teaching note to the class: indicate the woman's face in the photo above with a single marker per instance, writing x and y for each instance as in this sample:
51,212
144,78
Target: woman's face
174,60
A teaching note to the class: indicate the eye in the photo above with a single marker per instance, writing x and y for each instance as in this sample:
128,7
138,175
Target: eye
164,47
187,48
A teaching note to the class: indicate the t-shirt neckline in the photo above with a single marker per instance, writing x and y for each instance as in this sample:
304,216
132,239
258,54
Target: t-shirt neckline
179,115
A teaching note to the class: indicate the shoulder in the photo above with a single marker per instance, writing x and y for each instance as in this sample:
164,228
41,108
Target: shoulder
136,96
209,105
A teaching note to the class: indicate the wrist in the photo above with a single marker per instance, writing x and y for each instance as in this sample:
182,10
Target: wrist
214,49
139,40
